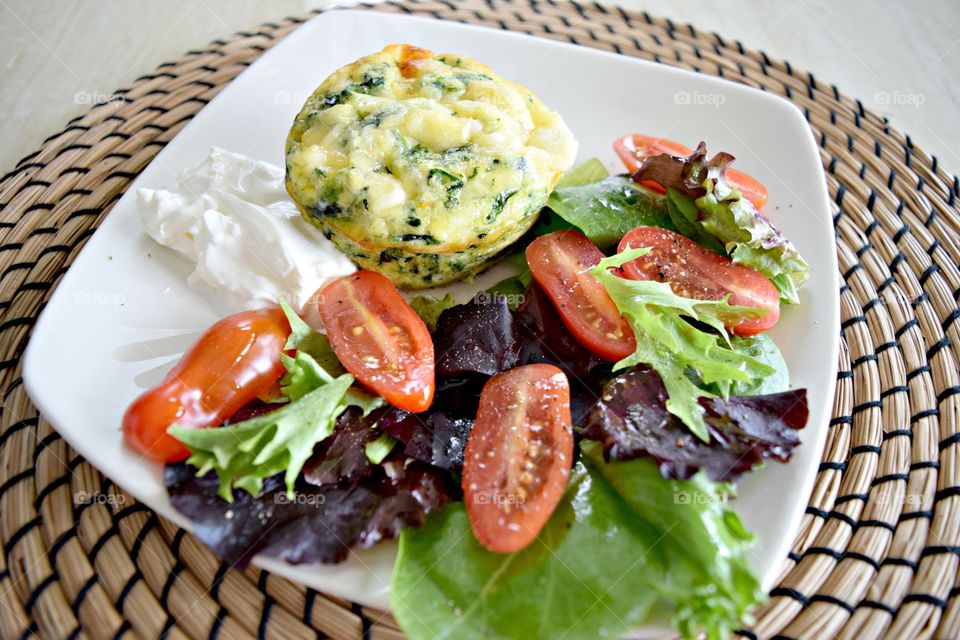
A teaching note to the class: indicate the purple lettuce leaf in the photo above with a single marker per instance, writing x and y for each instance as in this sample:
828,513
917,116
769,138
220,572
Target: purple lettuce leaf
343,456
318,524
685,175
632,421
543,338
434,437
475,338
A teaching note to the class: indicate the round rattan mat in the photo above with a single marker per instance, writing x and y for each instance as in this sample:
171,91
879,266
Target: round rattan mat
878,550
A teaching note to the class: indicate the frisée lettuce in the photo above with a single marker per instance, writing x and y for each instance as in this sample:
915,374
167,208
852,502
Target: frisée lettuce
680,352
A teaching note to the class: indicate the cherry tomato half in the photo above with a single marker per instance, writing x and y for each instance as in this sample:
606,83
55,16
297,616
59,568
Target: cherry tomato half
379,338
232,363
633,149
695,272
518,456
560,263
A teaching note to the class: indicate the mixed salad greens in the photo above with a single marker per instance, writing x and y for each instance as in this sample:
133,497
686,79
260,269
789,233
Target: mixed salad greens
555,455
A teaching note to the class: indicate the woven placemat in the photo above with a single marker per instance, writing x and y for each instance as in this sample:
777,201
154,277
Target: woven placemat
878,550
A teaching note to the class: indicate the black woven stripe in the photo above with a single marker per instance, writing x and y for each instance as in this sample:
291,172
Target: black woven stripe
793,555
841,420
879,606
102,540
819,513
900,562
946,442
174,574
865,448
822,597
124,628
883,347
942,343
925,464
925,598
793,594
890,477
214,589
855,555
926,413
364,620
131,582
909,324
263,627
897,433
45,442
849,322
844,374
925,368
222,613
913,515
31,600
824,551
946,324
167,627
15,428
81,594
14,480
31,631
949,392
59,544
947,492
842,517
850,497
832,466
871,404
870,357
900,388
941,549
744,633
877,524
50,488
148,526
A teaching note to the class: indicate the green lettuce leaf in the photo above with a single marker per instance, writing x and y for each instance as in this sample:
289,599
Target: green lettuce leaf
749,237
606,210
429,307
513,287
680,352
762,348
245,453
305,338
590,171
379,448
622,543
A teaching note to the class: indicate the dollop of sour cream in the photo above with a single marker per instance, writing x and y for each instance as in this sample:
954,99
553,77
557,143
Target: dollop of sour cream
231,216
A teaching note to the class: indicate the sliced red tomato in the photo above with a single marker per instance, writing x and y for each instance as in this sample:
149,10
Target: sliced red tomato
379,338
633,149
232,363
518,456
695,272
560,263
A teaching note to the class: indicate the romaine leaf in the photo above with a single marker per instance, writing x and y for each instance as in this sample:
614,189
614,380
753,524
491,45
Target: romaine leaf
245,453
604,211
429,307
674,347
631,421
586,173
620,542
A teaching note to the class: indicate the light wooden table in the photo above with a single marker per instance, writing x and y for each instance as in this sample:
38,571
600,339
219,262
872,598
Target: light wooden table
900,59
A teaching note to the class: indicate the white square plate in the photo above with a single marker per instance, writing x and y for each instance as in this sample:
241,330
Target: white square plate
124,313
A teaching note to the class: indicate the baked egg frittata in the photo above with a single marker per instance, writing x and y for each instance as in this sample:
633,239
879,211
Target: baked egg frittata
424,166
